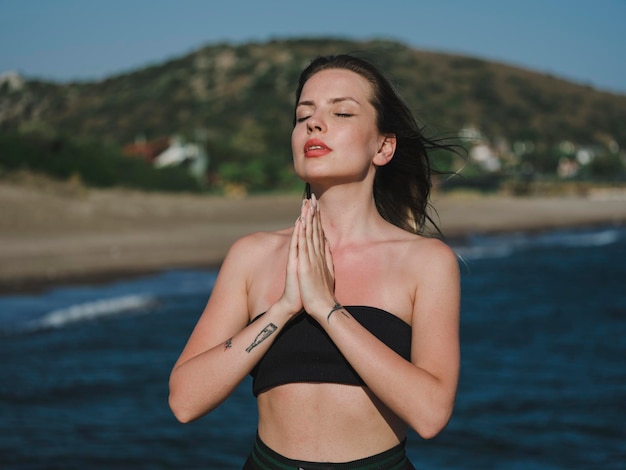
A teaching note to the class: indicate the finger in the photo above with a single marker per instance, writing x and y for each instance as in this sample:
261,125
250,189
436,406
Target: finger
329,260
317,234
303,210
291,291
293,244
305,224
310,229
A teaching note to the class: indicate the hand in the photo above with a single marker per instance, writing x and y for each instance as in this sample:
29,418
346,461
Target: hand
316,276
291,295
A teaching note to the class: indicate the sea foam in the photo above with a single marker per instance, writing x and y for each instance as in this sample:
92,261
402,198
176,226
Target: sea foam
91,310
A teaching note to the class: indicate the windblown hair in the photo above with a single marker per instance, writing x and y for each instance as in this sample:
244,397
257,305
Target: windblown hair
402,186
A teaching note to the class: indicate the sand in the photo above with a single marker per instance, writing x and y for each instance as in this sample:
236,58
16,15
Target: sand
56,234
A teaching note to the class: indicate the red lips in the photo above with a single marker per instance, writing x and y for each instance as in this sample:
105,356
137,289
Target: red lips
315,148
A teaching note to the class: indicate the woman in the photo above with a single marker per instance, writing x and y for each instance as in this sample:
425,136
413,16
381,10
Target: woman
359,335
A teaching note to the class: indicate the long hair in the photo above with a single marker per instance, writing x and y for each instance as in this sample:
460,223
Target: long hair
402,186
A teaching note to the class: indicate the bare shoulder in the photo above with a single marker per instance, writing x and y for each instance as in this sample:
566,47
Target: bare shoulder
435,249
256,243
254,248
241,268
432,256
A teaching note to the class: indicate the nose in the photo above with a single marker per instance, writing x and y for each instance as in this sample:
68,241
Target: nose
315,123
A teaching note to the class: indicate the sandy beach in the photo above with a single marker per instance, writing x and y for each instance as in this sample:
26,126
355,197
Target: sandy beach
53,234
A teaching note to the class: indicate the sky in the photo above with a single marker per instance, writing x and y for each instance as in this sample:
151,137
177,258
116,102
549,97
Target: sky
64,40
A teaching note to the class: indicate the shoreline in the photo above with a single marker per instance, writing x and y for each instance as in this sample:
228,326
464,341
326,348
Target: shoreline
39,283
51,237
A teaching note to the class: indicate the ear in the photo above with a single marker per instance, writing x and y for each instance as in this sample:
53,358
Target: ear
386,150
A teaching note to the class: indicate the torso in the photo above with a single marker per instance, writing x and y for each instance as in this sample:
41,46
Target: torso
341,422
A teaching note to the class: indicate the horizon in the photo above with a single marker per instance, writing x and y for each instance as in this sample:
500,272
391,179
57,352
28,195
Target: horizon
68,40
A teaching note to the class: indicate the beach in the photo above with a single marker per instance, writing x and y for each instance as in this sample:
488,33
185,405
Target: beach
53,234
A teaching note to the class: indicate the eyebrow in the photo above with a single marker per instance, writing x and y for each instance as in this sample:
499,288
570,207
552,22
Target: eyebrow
331,101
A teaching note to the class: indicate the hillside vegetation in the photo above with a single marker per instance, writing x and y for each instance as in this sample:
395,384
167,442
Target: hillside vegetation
238,99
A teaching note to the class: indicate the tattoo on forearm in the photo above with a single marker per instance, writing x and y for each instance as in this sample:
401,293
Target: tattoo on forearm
228,344
262,336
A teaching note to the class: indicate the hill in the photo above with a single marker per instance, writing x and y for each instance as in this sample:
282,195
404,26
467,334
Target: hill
239,100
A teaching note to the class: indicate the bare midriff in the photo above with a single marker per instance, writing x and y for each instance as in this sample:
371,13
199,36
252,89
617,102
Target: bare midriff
326,422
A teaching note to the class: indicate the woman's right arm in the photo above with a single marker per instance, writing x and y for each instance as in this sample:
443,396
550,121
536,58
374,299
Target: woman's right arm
223,347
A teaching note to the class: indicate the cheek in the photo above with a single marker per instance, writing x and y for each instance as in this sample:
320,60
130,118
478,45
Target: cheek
294,141
297,145
369,141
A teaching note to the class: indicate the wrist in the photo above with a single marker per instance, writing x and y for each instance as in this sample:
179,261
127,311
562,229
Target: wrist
324,312
320,308
283,309
334,309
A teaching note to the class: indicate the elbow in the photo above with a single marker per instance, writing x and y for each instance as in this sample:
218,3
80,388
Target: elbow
177,402
180,401
431,430
188,407
434,423
180,411
183,404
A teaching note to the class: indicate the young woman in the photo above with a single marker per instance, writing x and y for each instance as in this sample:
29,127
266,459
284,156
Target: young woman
348,321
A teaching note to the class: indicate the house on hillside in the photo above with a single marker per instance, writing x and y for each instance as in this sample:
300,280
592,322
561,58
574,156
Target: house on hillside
146,150
166,151
481,151
486,157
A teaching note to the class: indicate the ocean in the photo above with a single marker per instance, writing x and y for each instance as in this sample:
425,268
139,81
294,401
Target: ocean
84,371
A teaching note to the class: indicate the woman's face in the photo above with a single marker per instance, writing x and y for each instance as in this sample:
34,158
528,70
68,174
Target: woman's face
335,138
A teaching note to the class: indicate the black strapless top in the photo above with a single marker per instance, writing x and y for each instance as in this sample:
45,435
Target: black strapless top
303,351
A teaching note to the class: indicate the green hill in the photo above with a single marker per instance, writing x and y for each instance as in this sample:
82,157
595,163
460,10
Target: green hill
240,99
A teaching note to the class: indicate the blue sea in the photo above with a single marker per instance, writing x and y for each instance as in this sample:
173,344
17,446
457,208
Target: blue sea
84,371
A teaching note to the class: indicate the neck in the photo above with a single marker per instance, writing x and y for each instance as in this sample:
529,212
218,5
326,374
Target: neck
349,213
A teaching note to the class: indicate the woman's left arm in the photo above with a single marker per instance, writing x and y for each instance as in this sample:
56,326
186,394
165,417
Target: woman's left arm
421,392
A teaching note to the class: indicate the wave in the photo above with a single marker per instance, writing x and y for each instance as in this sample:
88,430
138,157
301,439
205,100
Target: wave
583,239
504,245
483,252
58,307
91,310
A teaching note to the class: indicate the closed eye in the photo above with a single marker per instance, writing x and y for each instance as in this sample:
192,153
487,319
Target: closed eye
344,115
302,119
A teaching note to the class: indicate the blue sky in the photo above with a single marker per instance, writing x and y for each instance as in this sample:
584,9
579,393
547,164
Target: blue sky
583,41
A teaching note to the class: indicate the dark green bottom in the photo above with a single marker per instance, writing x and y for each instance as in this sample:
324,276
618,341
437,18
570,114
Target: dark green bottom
264,458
